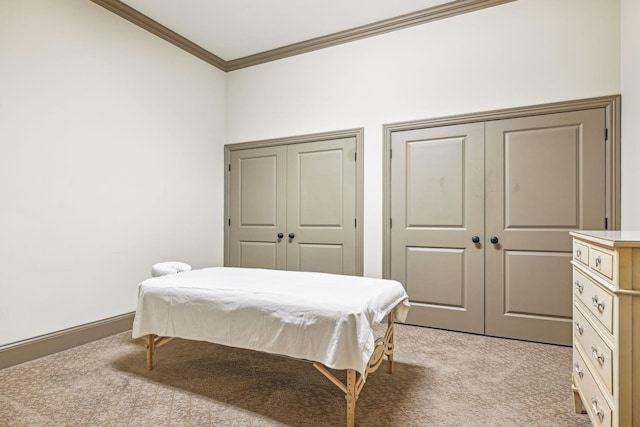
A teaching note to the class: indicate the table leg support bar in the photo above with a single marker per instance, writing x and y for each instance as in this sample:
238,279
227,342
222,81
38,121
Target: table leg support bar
352,389
154,342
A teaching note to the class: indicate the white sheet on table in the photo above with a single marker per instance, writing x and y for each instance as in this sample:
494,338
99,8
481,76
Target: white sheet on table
325,318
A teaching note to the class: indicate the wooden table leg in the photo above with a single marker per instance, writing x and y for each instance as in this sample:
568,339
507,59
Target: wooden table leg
151,342
351,397
390,319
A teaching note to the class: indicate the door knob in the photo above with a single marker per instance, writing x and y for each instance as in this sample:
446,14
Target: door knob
280,235
291,235
494,240
475,239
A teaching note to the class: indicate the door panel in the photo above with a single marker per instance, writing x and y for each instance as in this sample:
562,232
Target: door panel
320,187
540,170
523,276
545,175
442,266
435,187
257,208
258,255
258,191
321,208
322,258
437,205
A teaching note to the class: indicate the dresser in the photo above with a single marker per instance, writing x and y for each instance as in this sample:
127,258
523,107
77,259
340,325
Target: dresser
606,320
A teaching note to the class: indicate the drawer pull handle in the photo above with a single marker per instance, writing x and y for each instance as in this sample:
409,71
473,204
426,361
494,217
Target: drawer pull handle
579,328
598,357
579,286
578,253
597,304
579,371
594,405
598,261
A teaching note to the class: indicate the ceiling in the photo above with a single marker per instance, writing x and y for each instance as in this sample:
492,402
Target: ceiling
233,29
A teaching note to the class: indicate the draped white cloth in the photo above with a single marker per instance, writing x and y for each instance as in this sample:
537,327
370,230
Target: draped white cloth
325,318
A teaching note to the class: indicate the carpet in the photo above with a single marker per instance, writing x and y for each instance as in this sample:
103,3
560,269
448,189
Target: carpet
440,378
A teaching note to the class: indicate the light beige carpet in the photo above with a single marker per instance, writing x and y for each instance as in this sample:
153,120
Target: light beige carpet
440,379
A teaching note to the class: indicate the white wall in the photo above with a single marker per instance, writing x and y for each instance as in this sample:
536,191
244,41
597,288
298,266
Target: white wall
112,139
630,82
521,53
111,160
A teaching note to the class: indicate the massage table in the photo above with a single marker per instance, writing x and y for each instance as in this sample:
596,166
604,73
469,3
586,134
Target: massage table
326,319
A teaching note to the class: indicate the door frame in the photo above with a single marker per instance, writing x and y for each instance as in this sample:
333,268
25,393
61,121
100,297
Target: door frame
357,133
611,104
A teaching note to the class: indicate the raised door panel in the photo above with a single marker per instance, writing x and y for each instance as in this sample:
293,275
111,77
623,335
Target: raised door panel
321,208
254,254
257,208
435,182
437,206
523,276
325,258
541,166
545,176
440,265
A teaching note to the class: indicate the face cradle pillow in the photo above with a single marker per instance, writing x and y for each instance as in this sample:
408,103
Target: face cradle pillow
170,267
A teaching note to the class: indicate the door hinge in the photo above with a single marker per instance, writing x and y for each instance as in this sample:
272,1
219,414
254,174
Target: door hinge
606,223
229,222
355,156
390,223
606,134
355,223
390,153
229,167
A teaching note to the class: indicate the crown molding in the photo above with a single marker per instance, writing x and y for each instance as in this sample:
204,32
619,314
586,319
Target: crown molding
447,10
435,13
143,21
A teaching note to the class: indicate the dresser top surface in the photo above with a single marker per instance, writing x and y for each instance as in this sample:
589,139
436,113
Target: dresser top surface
615,238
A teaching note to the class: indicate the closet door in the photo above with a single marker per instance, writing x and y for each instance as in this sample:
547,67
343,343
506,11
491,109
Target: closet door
437,213
321,206
545,176
305,193
257,205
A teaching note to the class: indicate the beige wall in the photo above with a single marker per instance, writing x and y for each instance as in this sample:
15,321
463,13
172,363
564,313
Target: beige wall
521,53
630,82
111,160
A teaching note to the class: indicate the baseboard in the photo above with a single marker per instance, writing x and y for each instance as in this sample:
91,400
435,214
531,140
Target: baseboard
33,348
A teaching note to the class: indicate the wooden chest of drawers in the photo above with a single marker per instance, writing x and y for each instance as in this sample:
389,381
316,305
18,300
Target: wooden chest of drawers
606,333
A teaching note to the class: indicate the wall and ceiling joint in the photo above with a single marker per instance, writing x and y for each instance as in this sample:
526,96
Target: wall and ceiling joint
443,11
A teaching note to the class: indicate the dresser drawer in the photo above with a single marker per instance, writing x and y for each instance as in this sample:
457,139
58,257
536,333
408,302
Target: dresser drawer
601,261
594,348
593,398
581,252
596,300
